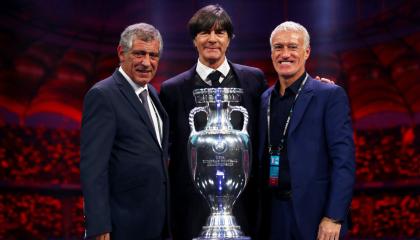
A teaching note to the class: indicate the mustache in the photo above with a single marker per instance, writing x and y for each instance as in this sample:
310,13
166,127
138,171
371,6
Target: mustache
143,69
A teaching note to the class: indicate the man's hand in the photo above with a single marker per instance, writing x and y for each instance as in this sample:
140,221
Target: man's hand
328,229
324,80
104,236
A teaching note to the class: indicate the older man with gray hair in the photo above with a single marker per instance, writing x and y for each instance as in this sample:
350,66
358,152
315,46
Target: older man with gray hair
124,145
306,147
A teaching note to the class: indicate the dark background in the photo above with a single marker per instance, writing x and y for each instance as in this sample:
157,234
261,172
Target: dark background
53,51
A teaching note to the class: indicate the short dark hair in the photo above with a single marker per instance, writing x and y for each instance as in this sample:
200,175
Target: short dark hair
209,16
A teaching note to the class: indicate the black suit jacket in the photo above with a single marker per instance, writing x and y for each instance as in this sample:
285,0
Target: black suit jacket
188,208
123,168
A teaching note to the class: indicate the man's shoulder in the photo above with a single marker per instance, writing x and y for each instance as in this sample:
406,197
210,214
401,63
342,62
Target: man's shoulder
177,79
105,82
246,68
326,90
267,93
322,86
104,85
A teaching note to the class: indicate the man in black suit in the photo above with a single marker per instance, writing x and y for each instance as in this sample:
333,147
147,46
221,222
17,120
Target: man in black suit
211,30
124,142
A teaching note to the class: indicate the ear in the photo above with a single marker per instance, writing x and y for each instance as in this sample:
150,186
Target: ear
228,43
272,56
195,42
307,52
121,53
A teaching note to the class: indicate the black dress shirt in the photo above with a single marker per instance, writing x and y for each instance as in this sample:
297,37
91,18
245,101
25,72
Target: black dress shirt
279,111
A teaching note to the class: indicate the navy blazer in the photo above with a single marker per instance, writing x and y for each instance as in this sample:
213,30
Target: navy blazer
123,168
188,208
321,155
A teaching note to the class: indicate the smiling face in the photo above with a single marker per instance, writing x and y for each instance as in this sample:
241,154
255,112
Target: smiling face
211,46
289,54
140,62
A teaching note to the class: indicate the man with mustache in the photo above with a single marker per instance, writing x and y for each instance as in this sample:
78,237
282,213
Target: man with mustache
124,142
307,151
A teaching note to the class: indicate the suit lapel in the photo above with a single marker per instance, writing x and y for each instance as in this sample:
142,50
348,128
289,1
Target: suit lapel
244,84
301,103
162,113
165,125
132,98
158,104
263,121
187,89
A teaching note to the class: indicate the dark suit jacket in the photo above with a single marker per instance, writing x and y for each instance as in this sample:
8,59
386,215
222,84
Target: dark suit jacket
123,168
188,208
321,156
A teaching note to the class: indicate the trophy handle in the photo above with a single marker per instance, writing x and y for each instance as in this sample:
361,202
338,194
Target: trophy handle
192,114
244,112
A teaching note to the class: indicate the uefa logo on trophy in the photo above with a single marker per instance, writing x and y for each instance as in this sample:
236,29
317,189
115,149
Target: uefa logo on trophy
220,159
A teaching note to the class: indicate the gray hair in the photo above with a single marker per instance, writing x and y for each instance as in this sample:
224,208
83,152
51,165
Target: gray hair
141,31
294,27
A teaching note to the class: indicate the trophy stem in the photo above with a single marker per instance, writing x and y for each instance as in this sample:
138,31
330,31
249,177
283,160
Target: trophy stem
221,226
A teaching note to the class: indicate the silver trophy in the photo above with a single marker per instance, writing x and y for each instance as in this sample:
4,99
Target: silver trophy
220,159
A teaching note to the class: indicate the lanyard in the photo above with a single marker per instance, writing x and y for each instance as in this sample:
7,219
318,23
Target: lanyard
288,118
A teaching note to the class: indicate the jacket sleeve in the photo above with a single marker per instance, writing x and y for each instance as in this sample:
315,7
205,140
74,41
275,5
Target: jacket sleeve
97,136
339,134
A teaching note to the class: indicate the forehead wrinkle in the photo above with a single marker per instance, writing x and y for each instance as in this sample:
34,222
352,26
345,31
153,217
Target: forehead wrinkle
292,38
140,44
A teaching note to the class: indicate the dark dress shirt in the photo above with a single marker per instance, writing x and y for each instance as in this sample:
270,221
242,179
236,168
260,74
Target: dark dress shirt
279,111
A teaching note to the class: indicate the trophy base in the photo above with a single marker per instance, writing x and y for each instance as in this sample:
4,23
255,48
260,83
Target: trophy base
221,226
222,238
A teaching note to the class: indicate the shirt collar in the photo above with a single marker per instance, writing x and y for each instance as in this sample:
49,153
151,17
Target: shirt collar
294,87
203,71
137,88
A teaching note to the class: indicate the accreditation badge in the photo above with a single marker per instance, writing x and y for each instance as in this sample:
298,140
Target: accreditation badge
274,158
